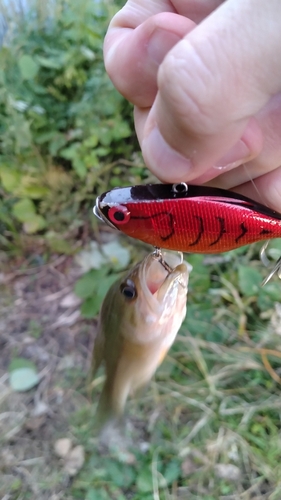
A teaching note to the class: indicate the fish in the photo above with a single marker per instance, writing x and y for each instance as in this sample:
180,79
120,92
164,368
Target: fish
138,322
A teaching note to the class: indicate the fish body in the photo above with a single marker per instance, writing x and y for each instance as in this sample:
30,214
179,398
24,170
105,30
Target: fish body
139,319
197,219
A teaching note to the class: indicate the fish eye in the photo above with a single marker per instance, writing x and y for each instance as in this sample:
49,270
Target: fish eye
128,289
119,214
180,188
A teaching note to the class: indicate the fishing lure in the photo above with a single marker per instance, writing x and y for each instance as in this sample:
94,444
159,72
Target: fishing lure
189,218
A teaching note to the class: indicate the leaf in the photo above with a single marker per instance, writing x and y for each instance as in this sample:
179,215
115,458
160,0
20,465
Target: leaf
58,244
97,494
144,481
80,167
120,474
23,379
24,211
249,280
105,285
34,192
28,67
91,258
172,471
17,363
117,255
99,255
36,223
91,307
48,63
267,295
89,283
10,178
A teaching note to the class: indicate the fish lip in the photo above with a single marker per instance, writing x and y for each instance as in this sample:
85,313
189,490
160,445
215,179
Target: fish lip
155,300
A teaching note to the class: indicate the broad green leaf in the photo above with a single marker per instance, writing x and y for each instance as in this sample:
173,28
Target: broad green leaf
28,67
91,307
34,224
17,363
268,294
105,285
24,210
89,283
97,256
249,280
122,475
80,167
144,480
23,379
117,254
59,245
34,192
172,471
91,258
48,62
97,494
10,178
91,141
70,152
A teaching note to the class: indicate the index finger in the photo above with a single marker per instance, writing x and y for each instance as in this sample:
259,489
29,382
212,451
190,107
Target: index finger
139,37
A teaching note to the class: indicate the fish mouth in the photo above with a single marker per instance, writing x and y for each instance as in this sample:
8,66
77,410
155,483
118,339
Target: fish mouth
159,281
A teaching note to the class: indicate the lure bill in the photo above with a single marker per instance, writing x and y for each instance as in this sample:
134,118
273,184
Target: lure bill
139,320
188,218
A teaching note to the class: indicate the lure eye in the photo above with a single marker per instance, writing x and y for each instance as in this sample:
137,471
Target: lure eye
119,214
180,188
128,289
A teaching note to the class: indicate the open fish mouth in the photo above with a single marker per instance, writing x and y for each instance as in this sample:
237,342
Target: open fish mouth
159,276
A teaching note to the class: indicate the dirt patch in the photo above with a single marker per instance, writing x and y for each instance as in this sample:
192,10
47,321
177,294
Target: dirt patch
40,321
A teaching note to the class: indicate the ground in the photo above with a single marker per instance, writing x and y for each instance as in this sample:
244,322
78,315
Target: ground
208,426
40,321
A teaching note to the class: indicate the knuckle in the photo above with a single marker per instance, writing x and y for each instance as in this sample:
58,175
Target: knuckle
187,82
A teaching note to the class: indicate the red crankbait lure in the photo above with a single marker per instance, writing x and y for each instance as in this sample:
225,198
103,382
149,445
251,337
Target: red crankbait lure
188,218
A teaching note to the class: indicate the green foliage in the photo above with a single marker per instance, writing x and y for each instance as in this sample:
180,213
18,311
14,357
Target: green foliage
102,263
213,406
22,374
62,124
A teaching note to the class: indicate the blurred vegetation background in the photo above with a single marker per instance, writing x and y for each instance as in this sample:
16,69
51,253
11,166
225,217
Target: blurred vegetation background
208,426
64,130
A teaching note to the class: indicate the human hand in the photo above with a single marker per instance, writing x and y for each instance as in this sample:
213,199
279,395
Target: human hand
205,79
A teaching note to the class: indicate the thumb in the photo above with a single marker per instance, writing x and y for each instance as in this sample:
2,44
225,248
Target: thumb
211,86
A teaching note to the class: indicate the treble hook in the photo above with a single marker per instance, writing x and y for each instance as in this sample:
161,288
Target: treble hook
277,267
158,255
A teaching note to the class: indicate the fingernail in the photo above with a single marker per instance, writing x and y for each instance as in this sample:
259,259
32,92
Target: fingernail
162,160
160,43
234,157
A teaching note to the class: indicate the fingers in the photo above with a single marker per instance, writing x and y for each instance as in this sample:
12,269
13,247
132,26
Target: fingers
265,189
269,120
212,85
132,56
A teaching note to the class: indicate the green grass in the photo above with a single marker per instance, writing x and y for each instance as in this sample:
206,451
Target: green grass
208,426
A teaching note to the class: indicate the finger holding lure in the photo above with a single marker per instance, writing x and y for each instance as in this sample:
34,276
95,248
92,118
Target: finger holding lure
189,218
139,320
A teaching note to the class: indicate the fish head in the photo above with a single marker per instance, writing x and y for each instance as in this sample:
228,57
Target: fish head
150,301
